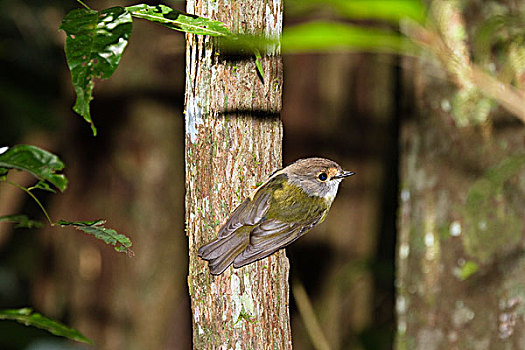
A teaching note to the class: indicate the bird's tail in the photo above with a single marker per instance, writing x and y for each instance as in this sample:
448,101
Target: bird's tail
221,252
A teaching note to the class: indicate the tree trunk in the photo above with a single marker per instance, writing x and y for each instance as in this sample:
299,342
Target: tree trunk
461,263
233,142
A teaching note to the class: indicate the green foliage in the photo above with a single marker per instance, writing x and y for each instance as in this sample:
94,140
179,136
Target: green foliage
385,10
97,229
45,166
21,221
331,36
41,164
94,45
27,317
178,20
96,41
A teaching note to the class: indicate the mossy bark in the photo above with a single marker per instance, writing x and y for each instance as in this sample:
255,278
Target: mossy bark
460,253
233,142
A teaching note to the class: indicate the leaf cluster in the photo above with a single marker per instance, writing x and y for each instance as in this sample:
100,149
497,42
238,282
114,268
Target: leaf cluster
47,169
96,41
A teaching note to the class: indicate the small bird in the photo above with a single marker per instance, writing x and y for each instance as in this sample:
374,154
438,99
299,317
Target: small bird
291,202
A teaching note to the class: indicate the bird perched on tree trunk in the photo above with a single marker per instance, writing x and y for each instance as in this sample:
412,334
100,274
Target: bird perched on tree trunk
291,202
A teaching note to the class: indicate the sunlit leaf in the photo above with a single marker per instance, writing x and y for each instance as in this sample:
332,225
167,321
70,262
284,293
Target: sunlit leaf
96,228
94,46
42,164
323,36
179,20
391,10
385,10
21,221
27,317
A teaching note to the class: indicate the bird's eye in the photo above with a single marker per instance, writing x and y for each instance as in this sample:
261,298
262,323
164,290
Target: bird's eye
322,176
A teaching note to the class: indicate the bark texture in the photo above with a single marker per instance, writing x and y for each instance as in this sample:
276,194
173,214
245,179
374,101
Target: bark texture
461,259
233,142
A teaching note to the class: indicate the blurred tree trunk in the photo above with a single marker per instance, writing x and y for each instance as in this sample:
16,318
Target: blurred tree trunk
461,262
233,142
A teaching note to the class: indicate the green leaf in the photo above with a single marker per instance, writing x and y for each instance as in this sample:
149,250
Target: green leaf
42,185
385,10
97,229
40,163
330,36
179,20
3,173
390,10
94,46
258,64
27,317
21,221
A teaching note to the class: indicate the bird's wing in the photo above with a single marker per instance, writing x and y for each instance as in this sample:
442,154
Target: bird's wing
271,236
253,209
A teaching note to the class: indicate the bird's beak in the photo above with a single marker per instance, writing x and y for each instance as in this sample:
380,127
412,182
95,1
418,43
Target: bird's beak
343,174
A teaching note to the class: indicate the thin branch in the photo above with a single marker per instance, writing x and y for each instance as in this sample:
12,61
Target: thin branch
463,72
34,197
83,4
310,320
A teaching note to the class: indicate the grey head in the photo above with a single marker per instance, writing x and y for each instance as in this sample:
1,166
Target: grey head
316,176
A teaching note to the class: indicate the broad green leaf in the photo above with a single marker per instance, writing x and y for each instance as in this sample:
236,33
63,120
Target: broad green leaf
94,46
40,163
390,10
27,317
385,10
329,36
179,20
96,228
21,221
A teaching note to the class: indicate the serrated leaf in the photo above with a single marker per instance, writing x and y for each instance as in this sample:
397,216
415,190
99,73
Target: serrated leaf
178,20
27,317
96,228
21,220
94,46
42,164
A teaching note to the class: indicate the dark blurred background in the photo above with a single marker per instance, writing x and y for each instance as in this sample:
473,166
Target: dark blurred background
342,106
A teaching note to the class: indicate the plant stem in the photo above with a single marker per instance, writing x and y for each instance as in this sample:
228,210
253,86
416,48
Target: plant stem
82,3
34,197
